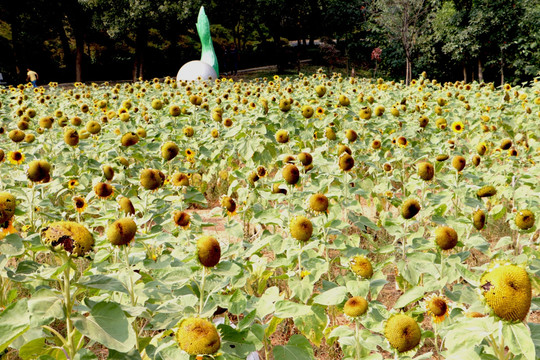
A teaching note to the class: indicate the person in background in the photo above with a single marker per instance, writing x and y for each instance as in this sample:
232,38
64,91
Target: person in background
32,76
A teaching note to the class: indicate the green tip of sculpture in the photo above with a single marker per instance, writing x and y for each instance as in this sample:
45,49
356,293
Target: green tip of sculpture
208,55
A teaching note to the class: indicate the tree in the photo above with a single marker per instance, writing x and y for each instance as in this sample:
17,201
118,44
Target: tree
403,21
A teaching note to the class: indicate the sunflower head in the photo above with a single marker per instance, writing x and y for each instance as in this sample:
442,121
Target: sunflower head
180,179
301,228
198,337
479,219
320,90
277,190
318,203
330,133
122,231
229,204
305,158
346,162
458,162
507,290
307,111
69,236
525,219
129,139
291,174
361,266
103,190
16,135
93,127
7,206
169,150
188,131
457,127
344,149
426,171
2,155
208,251
181,218
410,208
38,170
282,136
365,113
126,205
506,144
486,191
79,203
71,137
351,135
355,306
481,148
402,332
438,307
476,160
152,179
442,157
446,237
441,123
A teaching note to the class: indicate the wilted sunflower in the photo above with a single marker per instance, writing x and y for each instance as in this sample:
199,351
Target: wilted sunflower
229,204
126,205
69,236
346,162
38,170
16,157
457,127
410,208
169,150
80,204
305,158
181,218
188,131
402,332
479,219
122,231
129,139
355,306
152,179
103,190
318,203
208,251
261,171
507,290
7,206
459,162
426,171
301,228
282,136
361,266
438,307
180,179
198,337
486,191
351,135
445,237
291,174
525,219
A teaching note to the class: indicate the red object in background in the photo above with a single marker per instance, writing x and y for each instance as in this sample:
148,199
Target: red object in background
376,54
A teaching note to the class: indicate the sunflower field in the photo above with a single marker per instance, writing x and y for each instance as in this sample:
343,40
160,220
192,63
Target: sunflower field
313,217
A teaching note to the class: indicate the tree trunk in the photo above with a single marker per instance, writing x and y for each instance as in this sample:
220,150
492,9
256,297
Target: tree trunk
407,71
68,56
464,67
480,71
79,54
140,46
502,67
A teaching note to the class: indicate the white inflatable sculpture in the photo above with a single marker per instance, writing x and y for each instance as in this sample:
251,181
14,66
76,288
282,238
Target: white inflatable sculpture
206,68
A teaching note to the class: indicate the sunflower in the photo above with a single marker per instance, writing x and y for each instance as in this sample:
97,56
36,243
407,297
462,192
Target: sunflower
16,157
319,111
7,228
190,154
457,127
438,307
402,141
103,190
80,204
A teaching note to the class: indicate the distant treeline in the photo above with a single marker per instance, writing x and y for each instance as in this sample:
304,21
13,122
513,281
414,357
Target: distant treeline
90,40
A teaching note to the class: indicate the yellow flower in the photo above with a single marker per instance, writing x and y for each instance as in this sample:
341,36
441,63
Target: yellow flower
438,307
73,183
16,157
190,154
457,127
7,228
80,204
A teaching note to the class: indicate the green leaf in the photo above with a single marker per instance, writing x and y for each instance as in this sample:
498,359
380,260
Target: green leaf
409,296
235,342
103,282
12,245
14,321
33,349
132,355
333,296
312,326
518,339
298,348
535,336
117,335
85,354
44,306
286,309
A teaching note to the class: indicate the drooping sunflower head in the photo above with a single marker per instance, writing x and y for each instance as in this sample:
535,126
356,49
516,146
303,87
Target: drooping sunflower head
208,251
126,205
198,337
346,162
129,139
426,171
476,160
441,123
355,306
301,228
410,208
103,190
70,236
152,179
228,203
188,131
486,191
282,136
479,219
122,231
525,219
307,111
169,150
351,135
507,290
318,203
180,179
181,218
402,332
71,137
93,127
7,206
361,266
277,190
38,170
446,237
459,162
305,158
291,174
442,157
506,144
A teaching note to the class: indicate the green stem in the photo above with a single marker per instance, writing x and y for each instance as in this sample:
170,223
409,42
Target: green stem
69,344
499,352
201,290
300,262
346,193
357,340
132,294
32,207
442,263
436,331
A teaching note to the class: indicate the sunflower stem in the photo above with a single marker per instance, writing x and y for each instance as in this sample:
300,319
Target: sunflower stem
300,261
32,207
436,340
69,345
346,193
357,340
132,294
201,290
